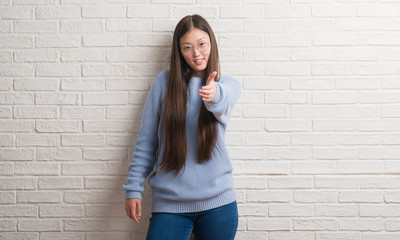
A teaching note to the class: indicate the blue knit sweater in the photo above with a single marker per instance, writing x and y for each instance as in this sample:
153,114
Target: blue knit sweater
198,187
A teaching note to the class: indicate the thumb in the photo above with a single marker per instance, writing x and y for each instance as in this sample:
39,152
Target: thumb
210,79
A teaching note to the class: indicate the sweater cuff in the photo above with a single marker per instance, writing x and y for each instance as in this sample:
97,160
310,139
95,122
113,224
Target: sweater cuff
217,96
133,194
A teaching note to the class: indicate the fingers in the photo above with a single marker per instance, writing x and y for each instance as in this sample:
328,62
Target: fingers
133,208
211,78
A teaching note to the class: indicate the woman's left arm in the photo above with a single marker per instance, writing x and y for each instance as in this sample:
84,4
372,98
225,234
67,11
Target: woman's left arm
220,97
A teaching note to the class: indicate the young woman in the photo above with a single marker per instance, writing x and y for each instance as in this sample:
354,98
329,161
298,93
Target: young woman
181,143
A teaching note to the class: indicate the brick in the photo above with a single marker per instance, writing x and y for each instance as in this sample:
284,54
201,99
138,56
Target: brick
335,153
77,169
357,139
20,235
16,12
36,168
57,126
16,126
296,235
253,209
312,139
337,182
86,26
288,69
149,39
360,197
103,12
315,225
62,235
8,225
17,70
18,211
279,11
381,182
57,98
333,11
124,112
357,224
58,183
336,210
334,125
104,182
146,11
61,211
93,197
128,25
290,210
379,210
6,140
66,41
36,84
335,69
83,55
267,139
12,154
58,154
392,197
208,12
347,97
58,70
311,26
7,197
266,167
38,197
248,182
287,153
321,54
35,26
258,83
262,224
376,10
63,12
265,25
263,111
257,196
314,167
242,12
35,112
290,182
252,153
83,140
17,98
104,40
379,153
117,235
288,125
139,55
312,112
39,225
358,24
312,83
380,236
79,85
82,113
379,97
358,111
360,167
289,98
379,39
288,40
100,210
315,196
103,70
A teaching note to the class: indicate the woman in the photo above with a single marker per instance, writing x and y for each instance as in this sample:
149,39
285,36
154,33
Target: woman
181,141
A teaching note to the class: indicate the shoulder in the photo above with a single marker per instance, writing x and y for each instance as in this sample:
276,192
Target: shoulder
160,82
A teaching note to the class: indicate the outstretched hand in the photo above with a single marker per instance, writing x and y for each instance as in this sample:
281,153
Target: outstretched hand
209,91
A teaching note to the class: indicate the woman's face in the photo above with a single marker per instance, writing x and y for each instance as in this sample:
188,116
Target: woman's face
195,47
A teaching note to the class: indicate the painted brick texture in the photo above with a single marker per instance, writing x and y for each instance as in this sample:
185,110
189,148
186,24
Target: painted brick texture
314,139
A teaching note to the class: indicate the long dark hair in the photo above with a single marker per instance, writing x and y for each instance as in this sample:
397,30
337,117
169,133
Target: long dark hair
174,104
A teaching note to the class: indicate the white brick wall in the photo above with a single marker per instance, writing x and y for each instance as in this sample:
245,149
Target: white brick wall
314,139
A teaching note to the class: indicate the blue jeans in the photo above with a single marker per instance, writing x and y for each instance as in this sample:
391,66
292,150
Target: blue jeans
214,224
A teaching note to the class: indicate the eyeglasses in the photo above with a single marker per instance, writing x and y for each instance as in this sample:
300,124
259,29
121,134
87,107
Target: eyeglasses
188,49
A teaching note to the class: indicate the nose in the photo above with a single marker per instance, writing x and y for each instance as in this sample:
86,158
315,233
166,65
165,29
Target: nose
196,52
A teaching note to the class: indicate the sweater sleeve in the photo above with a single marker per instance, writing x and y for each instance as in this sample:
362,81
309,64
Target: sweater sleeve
228,93
144,155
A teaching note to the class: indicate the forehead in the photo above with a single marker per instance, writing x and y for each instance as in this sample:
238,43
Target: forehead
194,35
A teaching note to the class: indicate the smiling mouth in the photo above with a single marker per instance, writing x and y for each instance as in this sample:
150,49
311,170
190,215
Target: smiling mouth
199,61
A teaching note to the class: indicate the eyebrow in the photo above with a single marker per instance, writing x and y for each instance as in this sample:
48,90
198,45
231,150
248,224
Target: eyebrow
189,42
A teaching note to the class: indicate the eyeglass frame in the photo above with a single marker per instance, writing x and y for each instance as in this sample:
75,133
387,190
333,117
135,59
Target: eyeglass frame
195,47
